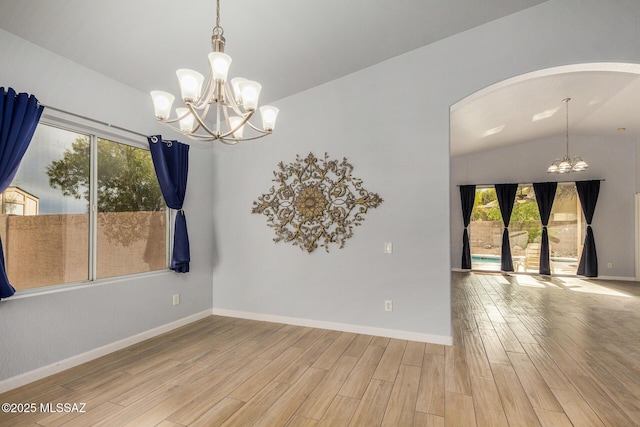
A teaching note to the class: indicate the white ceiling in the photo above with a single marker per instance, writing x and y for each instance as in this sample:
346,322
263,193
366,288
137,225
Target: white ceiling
293,45
604,101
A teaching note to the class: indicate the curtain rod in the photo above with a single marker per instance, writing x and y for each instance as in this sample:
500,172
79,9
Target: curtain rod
94,120
530,184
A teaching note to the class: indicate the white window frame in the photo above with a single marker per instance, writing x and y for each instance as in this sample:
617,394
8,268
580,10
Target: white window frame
94,131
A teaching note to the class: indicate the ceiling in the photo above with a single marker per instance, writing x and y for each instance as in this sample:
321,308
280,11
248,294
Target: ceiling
604,101
293,45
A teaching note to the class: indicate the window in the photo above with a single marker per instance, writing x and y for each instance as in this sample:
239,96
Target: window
50,233
565,230
131,212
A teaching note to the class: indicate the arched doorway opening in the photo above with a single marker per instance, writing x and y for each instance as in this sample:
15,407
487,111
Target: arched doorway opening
511,131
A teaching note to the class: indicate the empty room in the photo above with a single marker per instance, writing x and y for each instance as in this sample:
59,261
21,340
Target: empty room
286,213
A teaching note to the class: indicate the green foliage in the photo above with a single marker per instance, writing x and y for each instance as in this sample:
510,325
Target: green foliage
480,212
126,179
71,173
494,214
525,212
486,196
525,215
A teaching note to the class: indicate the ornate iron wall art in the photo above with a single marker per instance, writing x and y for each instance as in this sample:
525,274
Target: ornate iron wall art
315,201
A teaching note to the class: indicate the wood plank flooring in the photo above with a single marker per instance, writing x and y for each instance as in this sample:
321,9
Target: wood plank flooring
528,351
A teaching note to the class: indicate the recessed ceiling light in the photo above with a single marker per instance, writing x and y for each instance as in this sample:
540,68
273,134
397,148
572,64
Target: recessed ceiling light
622,129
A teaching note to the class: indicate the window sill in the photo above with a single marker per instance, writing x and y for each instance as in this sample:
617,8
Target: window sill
53,289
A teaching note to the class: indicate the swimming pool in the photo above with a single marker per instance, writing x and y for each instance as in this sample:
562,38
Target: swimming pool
488,262
486,258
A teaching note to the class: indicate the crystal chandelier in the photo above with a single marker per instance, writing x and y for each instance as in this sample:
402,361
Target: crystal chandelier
215,111
567,165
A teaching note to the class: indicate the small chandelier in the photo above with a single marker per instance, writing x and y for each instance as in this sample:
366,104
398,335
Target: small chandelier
567,165
227,111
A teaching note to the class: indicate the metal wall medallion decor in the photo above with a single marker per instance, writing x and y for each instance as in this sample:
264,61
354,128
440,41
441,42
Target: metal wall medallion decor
315,202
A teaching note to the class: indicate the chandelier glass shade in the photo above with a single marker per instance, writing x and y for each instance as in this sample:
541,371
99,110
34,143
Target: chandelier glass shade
567,164
215,108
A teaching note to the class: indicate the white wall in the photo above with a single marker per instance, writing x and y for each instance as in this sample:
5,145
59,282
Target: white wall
347,286
392,122
41,330
637,158
609,158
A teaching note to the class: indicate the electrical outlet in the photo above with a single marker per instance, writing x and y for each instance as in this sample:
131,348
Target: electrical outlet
388,305
176,299
610,265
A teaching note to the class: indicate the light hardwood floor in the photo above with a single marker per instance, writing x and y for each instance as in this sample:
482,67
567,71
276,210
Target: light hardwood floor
528,351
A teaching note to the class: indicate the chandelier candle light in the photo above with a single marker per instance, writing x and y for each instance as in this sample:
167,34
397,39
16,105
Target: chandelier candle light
232,108
567,165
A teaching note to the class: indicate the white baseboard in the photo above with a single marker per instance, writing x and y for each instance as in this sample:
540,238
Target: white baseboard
621,278
45,371
343,327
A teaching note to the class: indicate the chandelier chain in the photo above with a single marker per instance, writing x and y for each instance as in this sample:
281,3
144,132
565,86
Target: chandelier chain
566,164
566,101
217,30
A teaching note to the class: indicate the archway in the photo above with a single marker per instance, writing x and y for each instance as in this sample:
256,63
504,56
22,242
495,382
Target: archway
494,130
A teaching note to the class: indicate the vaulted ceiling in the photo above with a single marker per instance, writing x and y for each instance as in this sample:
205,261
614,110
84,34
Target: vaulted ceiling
293,45
604,101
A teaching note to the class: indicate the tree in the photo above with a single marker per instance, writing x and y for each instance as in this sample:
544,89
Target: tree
127,186
525,214
126,179
484,196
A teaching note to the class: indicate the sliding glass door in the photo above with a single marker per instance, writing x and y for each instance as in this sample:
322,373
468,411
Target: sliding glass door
525,230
